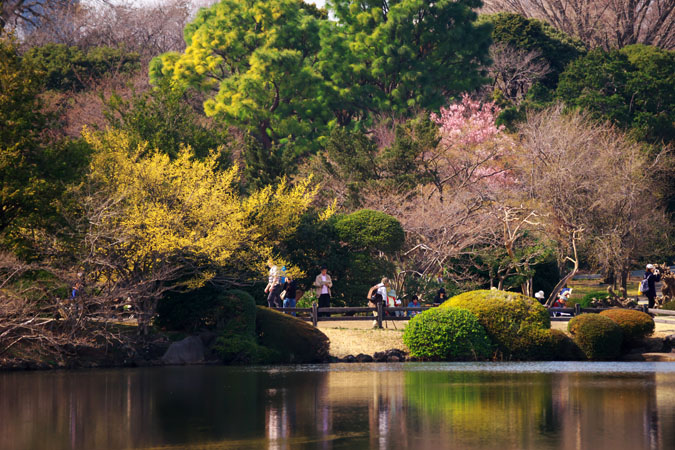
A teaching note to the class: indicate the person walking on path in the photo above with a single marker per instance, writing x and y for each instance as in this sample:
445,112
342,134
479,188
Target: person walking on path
291,287
652,276
273,291
323,283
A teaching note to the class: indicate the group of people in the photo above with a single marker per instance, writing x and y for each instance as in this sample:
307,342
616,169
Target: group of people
282,291
647,288
384,293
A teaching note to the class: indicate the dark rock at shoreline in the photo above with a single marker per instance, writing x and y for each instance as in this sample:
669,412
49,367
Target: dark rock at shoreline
380,356
208,337
363,358
349,359
188,351
391,355
669,343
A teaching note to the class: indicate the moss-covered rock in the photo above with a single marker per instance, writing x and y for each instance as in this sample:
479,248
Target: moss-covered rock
292,340
635,325
599,337
511,320
447,334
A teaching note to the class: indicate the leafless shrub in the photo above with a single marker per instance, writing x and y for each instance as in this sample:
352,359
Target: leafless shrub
148,30
602,23
597,186
32,315
514,70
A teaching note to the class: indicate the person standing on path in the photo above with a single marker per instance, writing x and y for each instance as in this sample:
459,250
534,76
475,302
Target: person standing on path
291,287
652,275
323,283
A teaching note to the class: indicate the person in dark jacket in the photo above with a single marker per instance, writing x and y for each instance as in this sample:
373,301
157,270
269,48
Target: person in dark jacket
291,287
440,297
652,276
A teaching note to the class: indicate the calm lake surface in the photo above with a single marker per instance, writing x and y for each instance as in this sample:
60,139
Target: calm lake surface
410,406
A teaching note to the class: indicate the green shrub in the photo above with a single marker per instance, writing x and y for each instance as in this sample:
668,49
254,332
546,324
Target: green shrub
240,349
447,334
585,301
370,230
670,306
635,325
208,307
236,313
599,337
533,344
508,318
564,347
186,311
293,340
65,68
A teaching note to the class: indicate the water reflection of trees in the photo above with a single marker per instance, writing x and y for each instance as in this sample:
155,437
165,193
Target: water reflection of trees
286,409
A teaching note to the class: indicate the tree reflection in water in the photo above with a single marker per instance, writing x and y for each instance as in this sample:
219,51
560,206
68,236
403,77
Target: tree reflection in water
330,407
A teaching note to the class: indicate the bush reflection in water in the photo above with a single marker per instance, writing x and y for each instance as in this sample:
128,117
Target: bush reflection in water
340,406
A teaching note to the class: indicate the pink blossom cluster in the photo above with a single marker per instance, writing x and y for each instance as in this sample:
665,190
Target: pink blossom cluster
467,123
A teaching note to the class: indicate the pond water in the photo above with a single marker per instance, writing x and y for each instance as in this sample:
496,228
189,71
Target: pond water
409,406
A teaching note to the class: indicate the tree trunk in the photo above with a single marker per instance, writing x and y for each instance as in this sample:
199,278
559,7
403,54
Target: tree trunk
610,277
566,278
624,278
527,288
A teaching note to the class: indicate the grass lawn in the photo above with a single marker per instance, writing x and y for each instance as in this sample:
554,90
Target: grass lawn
582,287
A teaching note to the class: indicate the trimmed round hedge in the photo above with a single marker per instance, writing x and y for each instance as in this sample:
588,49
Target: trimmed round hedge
292,340
599,337
447,334
368,229
564,347
511,320
635,325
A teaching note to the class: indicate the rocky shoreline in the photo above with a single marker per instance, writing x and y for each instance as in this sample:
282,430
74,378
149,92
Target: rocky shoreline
195,350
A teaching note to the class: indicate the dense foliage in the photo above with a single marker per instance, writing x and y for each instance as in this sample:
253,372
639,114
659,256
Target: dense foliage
164,118
366,136
599,337
353,246
69,68
401,55
632,87
635,325
367,229
447,334
208,307
36,168
510,319
259,58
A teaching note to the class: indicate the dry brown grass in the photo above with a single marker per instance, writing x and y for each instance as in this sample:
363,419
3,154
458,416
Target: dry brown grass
352,338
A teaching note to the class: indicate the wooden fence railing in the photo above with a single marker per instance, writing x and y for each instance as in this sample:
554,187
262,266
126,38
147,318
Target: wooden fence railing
378,314
381,313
